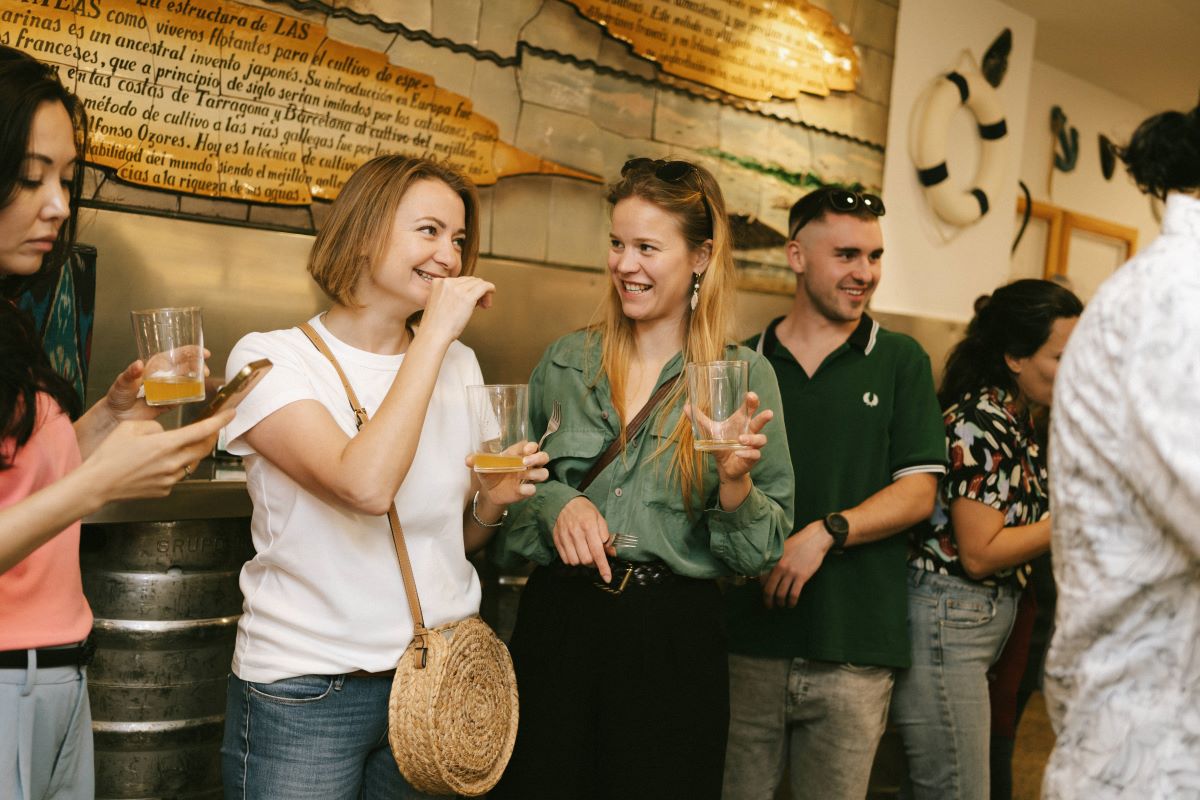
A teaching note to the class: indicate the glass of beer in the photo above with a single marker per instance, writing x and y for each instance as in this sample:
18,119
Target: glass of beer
170,342
717,394
499,425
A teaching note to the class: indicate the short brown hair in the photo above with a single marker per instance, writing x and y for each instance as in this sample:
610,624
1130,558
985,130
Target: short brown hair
826,200
354,236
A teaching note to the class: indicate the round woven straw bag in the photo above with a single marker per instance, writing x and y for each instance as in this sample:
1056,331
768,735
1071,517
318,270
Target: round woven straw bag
452,722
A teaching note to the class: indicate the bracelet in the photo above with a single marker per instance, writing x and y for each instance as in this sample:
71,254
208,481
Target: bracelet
475,514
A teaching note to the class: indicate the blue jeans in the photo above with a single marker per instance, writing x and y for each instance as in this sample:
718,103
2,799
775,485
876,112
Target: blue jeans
314,737
821,720
940,707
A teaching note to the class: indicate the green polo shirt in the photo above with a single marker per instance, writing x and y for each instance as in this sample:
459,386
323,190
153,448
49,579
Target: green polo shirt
634,492
868,416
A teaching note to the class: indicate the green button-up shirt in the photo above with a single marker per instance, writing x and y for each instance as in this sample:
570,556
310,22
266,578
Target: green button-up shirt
633,491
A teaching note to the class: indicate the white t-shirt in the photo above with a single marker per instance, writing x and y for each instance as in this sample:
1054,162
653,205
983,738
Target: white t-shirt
323,594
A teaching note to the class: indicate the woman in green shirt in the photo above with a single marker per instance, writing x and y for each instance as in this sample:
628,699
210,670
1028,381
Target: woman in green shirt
619,644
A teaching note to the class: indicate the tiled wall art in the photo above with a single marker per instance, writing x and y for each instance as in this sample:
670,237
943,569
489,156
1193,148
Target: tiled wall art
500,87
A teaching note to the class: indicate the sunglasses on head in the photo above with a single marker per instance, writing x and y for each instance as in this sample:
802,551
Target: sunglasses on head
841,200
670,172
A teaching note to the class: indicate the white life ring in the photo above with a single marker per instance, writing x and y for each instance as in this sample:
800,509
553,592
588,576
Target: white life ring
955,205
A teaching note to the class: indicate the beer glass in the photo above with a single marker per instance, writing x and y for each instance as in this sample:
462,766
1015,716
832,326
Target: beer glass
499,425
170,342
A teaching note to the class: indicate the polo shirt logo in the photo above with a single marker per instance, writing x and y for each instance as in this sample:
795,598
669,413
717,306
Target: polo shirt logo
870,399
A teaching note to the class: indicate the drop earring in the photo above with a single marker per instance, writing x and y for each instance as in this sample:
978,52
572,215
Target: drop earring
695,290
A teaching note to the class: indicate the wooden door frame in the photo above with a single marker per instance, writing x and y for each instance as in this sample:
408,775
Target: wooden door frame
1062,223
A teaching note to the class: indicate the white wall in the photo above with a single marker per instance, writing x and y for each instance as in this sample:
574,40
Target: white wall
1092,111
932,269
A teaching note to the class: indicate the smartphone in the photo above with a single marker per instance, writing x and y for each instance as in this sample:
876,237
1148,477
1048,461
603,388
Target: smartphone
238,387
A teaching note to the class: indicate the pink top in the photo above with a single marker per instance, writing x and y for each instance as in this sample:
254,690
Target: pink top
41,598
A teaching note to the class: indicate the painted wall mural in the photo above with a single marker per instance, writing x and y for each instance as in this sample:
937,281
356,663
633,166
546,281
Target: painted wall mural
220,99
752,49
756,49
253,112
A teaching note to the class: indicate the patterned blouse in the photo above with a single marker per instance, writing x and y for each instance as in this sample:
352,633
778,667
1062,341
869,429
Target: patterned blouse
994,459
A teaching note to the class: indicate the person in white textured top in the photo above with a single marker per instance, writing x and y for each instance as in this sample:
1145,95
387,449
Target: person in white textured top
325,617
1123,673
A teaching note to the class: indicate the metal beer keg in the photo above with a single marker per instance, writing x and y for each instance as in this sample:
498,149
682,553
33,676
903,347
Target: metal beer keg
166,600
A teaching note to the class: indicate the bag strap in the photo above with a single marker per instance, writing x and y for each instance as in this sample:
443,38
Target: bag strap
360,419
634,426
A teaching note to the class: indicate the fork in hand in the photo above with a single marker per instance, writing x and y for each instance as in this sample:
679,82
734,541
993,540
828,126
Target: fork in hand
620,540
551,424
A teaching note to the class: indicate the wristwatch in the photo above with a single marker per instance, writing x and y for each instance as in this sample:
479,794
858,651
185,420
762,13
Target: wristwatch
839,528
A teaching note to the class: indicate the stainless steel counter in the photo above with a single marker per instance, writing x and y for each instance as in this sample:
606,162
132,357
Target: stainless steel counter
216,490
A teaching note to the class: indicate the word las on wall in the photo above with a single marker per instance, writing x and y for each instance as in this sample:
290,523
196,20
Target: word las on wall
220,99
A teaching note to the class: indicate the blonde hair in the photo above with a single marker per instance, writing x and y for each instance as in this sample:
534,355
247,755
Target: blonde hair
355,234
696,203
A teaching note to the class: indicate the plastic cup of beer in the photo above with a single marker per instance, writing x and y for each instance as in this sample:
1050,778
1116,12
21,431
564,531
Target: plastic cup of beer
499,425
717,394
170,342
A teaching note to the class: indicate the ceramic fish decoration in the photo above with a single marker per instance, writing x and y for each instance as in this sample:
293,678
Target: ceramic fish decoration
995,60
1108,157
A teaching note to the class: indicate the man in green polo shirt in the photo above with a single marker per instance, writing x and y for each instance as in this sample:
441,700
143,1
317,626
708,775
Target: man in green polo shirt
815,641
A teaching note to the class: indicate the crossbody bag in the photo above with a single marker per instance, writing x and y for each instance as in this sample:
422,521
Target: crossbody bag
452,713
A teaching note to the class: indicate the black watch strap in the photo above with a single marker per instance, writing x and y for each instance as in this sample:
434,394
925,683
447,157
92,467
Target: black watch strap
839,528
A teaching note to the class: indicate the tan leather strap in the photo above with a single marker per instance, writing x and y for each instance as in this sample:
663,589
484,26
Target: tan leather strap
360,413
360,419
634,426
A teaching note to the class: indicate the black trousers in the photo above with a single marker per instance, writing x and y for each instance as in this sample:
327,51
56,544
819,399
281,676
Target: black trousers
622,697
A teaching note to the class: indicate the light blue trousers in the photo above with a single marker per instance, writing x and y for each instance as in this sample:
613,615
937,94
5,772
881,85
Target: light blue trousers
940,707
45,734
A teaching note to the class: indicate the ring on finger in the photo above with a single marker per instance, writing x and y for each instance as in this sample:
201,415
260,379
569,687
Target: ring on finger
187,471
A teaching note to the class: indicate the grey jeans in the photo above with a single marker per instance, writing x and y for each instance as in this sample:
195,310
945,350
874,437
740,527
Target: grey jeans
821,720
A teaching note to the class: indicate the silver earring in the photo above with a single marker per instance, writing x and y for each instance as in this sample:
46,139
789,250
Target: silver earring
695,290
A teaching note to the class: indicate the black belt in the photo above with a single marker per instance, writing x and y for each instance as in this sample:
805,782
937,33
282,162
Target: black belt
624,574
49,657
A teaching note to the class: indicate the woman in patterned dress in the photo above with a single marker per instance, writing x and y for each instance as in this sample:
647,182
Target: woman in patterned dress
970,560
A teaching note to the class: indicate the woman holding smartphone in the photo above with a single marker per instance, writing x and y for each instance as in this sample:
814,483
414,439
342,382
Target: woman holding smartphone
325,615
619,645
52,470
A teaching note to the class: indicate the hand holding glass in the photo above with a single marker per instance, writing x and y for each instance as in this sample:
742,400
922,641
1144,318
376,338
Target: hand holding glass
717,395
170,343
499,426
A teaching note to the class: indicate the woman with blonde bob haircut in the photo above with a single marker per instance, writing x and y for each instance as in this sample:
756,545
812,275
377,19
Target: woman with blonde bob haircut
325,617
619,644
364,213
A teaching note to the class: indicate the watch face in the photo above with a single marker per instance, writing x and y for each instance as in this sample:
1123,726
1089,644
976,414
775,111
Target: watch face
837,525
